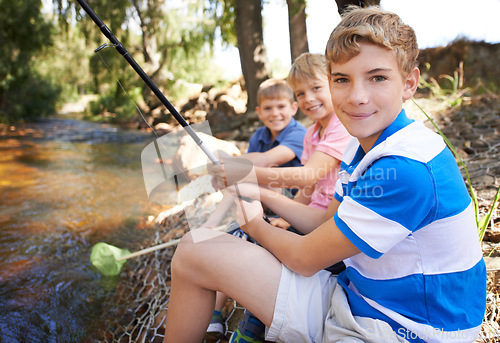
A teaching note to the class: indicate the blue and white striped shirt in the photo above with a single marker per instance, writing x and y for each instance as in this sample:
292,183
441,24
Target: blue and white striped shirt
404,204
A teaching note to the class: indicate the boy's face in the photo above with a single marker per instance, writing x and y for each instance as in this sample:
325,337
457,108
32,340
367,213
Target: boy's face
313,97
276,113
368,92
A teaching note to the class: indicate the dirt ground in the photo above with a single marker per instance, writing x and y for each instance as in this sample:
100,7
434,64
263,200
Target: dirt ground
474,130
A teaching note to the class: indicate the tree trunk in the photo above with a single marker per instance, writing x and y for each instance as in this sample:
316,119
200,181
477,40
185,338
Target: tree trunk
297,27
342,4
251,47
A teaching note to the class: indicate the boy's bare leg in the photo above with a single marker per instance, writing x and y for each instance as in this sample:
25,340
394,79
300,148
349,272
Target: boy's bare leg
244,271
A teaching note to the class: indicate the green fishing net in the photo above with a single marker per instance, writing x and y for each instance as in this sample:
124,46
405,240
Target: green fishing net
104,258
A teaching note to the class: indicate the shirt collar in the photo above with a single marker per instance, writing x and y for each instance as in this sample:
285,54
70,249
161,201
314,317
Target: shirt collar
400,122
267,138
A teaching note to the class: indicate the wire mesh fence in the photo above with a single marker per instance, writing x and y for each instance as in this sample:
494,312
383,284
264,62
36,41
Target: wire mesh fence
142,293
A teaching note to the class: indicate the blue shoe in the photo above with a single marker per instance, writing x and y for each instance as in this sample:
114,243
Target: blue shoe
250,330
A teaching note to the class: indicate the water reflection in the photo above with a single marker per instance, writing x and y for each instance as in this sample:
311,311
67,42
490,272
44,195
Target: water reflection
64,186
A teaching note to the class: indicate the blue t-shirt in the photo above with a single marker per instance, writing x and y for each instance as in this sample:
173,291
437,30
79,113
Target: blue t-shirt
292,136
404,204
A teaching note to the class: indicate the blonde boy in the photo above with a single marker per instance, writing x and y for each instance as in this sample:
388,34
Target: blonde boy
280,141
400,197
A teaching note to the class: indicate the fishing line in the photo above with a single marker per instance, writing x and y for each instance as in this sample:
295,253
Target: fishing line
109,45
157,148
121,49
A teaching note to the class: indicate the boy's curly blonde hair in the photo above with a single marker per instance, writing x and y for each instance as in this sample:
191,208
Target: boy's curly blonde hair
372,25
307,67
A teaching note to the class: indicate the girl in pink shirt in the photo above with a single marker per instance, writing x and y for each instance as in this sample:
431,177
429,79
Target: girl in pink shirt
332,143
324,142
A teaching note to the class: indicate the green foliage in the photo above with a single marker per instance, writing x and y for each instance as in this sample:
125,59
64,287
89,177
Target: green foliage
106,67
24,93
485,221
57,63
170,44
171,41
29,96
23,32
116,106
452,95
222,11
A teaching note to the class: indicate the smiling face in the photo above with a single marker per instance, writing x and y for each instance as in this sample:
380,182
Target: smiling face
276,113
368,92
313,97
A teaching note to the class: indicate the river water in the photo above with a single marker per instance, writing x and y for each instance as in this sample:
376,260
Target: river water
65,185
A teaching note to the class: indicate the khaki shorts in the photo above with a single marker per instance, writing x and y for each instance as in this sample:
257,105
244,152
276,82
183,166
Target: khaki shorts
315,309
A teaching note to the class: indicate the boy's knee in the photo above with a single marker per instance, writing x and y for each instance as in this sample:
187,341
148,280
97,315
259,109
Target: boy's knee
192,251
181,255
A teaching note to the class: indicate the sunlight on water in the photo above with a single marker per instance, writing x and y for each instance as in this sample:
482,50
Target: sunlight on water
60,195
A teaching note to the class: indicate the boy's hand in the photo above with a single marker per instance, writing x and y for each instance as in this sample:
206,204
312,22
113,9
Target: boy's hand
279,222
248,211
230,171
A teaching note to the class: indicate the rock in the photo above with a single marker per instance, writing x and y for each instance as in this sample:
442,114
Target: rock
163,128
196,188
492,263
218,121
192,159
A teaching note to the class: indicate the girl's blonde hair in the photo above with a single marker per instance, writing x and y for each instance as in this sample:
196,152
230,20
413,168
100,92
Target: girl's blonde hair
372,25
307,67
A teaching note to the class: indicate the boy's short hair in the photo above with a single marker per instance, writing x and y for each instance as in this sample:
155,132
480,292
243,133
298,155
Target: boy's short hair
274,89
372,25
307,67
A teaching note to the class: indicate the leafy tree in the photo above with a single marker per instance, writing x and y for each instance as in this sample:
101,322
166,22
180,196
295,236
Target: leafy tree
23,34
164,37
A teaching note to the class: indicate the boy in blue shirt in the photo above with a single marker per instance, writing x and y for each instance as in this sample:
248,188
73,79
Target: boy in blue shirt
402,221
279,143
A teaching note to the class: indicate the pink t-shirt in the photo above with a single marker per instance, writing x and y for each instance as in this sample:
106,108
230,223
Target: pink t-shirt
334,141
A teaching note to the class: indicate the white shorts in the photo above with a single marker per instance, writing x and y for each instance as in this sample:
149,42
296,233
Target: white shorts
315,309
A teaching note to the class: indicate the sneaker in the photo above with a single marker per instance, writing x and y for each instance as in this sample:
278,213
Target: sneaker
250,330
216,328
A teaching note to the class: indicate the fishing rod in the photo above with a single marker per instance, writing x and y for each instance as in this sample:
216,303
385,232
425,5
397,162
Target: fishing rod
106,258
121,49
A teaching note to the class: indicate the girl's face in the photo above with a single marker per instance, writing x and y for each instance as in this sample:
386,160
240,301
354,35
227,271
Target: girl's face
314,99
368,92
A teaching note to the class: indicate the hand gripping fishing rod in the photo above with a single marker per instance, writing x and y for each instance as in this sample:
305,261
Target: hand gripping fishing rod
121,49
